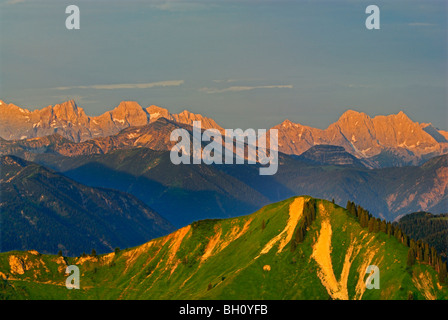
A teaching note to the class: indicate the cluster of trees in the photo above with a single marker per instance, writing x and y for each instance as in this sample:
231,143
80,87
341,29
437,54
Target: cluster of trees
431,228
309,215
418,250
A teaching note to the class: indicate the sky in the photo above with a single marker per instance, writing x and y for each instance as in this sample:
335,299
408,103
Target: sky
246,64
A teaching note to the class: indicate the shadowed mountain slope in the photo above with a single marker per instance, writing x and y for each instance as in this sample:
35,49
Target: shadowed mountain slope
46,211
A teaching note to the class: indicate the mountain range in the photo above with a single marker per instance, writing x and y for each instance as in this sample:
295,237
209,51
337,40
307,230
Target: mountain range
381,141
137,161
72,123
384,141
264,255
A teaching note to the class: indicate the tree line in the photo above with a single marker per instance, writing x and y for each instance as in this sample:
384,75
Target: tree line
428,227
418,250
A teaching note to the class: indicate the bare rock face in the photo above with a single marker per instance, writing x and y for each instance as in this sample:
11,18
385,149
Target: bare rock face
379,138
71,122
66,119
187,118
393,140
294,138
156,112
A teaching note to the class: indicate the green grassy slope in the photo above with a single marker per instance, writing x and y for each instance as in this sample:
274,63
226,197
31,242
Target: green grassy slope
249,257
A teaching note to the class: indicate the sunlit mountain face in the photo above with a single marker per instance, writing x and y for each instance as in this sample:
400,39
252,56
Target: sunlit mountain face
382,141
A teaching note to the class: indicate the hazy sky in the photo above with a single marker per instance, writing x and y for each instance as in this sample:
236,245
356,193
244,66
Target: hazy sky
243,63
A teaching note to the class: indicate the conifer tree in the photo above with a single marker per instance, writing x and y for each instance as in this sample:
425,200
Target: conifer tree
349,206
376,225
426,253
371,224
433,256
411,257
383,226
443,274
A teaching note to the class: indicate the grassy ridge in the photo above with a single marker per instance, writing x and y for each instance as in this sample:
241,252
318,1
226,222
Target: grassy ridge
222,259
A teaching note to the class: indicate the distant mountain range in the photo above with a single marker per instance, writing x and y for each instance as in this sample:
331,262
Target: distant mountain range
382,141
185,193
300,248
72,123
136,160
46,211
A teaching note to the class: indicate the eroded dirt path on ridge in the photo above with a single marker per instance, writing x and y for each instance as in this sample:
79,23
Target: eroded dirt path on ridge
367,261
423,282
295,213
322,255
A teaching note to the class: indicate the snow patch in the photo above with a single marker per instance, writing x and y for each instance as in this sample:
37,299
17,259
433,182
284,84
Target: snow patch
131,136
119,120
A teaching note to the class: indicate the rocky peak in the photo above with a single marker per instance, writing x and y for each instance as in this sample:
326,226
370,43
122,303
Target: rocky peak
129,106
286,123
402,115
11,108
156,112
187,117
130,112
67,111
351,119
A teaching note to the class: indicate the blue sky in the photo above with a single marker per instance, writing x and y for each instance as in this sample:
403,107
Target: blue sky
243,63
